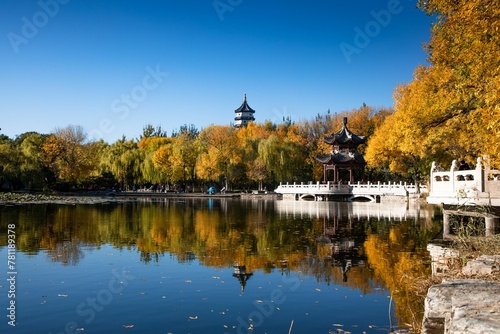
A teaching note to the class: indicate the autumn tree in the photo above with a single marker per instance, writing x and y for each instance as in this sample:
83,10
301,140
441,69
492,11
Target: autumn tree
249,138
150,171
451,108
69,156
161,159
217,145
185,152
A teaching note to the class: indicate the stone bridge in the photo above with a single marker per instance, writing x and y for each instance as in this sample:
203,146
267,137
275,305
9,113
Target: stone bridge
372,192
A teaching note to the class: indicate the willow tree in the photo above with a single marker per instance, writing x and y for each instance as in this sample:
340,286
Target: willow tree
34,173
9,162
451,108
151,172
124,160
283,158
249,138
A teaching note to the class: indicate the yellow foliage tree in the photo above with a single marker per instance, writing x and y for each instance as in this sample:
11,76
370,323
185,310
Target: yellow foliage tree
69,155
451,108
218,146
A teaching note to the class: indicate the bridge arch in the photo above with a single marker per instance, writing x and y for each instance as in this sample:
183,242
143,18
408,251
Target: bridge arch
370,198
307,197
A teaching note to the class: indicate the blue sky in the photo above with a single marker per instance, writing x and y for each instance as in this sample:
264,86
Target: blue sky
113,66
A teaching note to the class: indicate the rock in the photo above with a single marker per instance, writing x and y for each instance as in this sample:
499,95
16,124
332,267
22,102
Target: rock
462,306
440,255
483,265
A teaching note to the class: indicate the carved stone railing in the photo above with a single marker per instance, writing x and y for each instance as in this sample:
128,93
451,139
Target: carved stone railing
471,186
330,188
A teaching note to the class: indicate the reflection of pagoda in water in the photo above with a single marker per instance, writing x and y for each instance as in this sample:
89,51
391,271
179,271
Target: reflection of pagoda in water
240,272
344,244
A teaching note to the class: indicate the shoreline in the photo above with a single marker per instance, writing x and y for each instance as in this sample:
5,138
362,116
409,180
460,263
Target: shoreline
97,197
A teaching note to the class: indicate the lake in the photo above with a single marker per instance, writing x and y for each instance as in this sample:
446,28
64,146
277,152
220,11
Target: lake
212,265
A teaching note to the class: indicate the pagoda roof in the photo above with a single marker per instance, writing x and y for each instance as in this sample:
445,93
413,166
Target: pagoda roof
244,106
341,158
345,136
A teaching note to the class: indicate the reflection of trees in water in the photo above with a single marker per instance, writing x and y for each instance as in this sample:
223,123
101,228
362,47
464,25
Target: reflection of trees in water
66,252
337,247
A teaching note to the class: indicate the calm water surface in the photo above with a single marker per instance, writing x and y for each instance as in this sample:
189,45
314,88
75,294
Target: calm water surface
215,266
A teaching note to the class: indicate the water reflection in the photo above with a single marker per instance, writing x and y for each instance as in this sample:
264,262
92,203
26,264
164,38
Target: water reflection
240,272
358,245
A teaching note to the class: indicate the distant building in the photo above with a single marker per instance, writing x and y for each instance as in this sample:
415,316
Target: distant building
244,114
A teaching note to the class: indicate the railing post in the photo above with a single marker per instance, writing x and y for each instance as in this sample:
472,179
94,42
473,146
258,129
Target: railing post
446,225
491,223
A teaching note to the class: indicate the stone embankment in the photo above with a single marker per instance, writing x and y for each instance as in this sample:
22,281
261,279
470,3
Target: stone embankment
27,198
95,197
460,306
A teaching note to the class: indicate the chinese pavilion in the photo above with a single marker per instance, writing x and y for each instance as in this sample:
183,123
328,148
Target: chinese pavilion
244,114
343,155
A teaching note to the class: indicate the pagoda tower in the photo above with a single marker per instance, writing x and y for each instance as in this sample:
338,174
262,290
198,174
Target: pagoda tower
343,155
244,114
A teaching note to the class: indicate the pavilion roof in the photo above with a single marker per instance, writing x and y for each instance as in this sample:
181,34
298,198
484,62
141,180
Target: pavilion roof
341,158
345,137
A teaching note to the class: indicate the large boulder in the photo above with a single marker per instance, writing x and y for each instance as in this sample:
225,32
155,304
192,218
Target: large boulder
462,306
483,265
